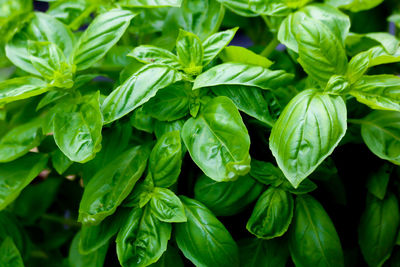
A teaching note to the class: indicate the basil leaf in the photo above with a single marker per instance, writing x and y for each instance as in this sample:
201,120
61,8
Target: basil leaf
275,8
143,239
240,7
60,162
380,131
378,229
166,159
242,74
16,175
77,127
190,52
209,139
272,214
10,227
150,3
19,140
9,254
94,259
102,34
171,103
256,252
248,99
242,55
266,173
203,239
21,88
354,5
93,237
378,91
313,240
152,54
320,52
169,258
307,132
166,206
111,185
214,44
227,198
378,181
137,90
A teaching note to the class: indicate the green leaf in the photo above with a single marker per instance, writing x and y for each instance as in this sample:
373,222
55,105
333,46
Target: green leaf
152,54
19,140
358,66
321,53
378,229
218,141
60,162
354,5
190,52
112,184
94,259
171,103
240,7
143,239
142,120
227,198
257,252
203,239
243,55
166,159
275,7
337,22
214,44
313,240
137,90
378,181
9,254
42,28
307,132
242,74
94,237
380,131
150,3
21,88
166,206
102,34
248,99
77,127
272,214
10,227
378,91
266,173
16,175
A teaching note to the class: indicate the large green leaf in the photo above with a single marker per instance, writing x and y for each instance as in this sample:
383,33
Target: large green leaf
381,133
378,91
150,3
18,141
242,74
77,127
101,35
138,89
243,55
143,239
9,254
21,88
378,229
257,252
240,7
203,239
275,7
112,184
153,54
313,240
227,198
307,131
272,214
166,159
218,141
354,5
16,175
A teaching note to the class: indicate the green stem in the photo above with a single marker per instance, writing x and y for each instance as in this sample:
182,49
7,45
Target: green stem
61,220
356,121
270,48
77,22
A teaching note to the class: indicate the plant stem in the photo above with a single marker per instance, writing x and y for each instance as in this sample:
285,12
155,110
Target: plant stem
356,121
270,48
76,23
61,220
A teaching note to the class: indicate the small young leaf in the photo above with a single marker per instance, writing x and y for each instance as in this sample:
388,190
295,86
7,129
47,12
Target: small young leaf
166,206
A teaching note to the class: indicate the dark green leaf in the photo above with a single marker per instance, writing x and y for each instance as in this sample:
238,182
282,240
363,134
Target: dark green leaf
94,259
9,254
166,206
